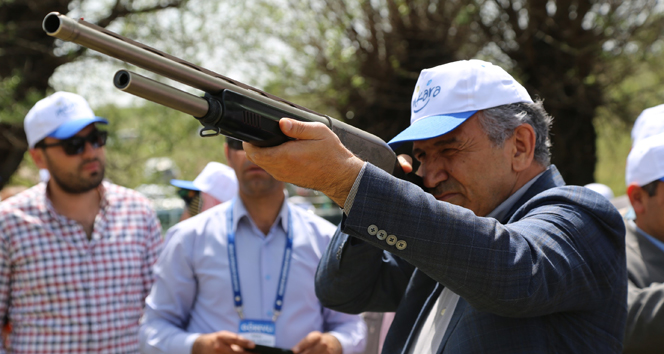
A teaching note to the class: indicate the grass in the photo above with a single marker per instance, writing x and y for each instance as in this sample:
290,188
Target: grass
613,145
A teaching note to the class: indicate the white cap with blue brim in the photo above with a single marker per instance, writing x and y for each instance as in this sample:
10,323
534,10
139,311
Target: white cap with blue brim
216,179
60,115
446,95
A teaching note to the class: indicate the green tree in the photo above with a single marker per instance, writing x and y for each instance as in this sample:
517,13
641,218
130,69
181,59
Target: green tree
568,52
361,59
29,57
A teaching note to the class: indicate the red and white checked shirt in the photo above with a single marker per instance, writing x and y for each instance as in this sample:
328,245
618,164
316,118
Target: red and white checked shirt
64,293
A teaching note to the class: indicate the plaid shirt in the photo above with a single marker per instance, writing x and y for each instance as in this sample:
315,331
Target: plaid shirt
64,293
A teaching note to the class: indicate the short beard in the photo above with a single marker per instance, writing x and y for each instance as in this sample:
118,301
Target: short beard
73,183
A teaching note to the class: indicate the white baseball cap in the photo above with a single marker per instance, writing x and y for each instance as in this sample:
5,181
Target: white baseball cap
60,115
645,162
216,179
650,122
446,95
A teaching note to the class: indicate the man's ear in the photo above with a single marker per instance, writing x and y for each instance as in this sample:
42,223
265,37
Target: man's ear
637,197
39,158
523,150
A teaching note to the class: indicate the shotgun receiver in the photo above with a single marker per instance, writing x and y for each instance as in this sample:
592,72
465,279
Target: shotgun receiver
229,107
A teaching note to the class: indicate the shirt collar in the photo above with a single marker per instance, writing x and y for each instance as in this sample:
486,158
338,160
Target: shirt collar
655,241
240,211
101,189
504,207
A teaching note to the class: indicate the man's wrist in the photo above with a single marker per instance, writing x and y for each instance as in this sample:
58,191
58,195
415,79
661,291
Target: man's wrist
348,204
340,191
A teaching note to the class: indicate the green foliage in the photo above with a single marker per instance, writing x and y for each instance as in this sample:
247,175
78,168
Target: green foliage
613,145
12,111
624,101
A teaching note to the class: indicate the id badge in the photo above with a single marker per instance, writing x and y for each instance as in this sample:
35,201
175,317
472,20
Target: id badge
258,331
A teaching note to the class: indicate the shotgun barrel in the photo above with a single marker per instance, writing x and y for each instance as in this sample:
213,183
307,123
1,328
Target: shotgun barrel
229,107
162,94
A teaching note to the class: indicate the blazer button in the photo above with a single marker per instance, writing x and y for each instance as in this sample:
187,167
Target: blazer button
381,235
401,245
372,230
391,240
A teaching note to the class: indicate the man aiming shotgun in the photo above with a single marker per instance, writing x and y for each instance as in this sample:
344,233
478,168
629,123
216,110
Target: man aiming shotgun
508,259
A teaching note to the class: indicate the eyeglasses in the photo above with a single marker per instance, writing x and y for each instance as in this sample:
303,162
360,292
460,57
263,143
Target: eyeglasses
187,194
192,200
234,143
76,144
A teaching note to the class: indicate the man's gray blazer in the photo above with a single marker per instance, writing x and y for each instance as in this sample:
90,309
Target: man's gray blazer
551,279
645,298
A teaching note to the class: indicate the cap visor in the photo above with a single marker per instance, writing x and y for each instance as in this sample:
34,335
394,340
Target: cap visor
184,184
430,127
70,129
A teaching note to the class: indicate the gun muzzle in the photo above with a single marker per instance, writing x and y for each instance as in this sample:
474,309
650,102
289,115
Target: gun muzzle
162,94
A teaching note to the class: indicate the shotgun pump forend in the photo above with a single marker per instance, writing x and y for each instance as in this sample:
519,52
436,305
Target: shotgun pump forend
229,107
229,113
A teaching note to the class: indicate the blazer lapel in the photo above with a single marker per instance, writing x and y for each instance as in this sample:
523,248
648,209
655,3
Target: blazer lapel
551,178
456,316
653,258
414,308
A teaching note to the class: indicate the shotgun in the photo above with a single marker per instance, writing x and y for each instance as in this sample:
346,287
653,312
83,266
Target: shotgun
228,107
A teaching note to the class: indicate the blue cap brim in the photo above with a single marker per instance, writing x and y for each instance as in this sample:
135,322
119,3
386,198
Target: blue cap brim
70,128
184,184
430,127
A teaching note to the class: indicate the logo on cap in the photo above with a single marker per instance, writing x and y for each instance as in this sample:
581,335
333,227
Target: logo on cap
64,108
424,96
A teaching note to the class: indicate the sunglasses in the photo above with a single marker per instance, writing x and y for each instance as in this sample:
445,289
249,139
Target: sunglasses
187,194
76,144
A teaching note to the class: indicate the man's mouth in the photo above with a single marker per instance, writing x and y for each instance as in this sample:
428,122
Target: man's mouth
90,165
255,169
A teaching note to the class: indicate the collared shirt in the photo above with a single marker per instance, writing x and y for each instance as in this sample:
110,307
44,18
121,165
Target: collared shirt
193,294
434,328
655,241
64,293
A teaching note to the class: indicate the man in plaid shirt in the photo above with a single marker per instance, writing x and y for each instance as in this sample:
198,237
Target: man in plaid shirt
76,253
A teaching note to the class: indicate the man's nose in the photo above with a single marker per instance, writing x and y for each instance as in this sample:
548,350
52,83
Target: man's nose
89,149
432,174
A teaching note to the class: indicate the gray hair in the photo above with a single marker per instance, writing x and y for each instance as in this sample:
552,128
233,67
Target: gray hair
499,124
651,188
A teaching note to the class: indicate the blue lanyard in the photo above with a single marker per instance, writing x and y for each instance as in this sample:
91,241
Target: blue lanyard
235,276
